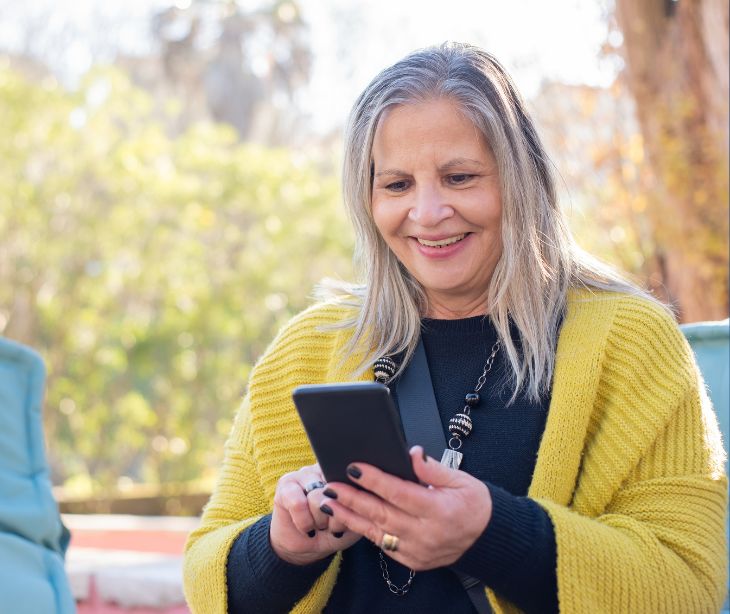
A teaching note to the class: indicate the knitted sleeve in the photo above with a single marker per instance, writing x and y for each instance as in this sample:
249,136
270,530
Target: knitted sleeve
258,580
267,440
236,503
645,529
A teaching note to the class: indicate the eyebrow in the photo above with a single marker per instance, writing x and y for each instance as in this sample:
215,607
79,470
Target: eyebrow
458,162
395,172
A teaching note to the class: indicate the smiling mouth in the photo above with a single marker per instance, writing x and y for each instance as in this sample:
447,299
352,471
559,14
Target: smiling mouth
441,242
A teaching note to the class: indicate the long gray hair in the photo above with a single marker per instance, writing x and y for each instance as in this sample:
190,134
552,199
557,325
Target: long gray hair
540,260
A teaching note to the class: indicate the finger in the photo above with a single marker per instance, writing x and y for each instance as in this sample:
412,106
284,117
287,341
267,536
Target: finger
311,481
291,498
353,521
373,513
432,472
404,494
336,527
358,525
322,521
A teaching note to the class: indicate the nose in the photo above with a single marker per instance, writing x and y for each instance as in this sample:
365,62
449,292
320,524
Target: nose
429,207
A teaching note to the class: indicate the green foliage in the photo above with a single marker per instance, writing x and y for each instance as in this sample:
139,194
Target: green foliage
150,272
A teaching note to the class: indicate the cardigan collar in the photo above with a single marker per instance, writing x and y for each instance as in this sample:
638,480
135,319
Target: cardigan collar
575,383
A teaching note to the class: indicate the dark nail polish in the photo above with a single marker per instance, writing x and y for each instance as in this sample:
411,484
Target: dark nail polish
425,457
311,533
354,472
328,492
338,534
326,509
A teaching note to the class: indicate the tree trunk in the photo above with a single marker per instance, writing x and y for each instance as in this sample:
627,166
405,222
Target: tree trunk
676,55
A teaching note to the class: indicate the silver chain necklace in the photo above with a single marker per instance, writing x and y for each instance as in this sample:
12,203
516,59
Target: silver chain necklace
392,587
461,424
460,427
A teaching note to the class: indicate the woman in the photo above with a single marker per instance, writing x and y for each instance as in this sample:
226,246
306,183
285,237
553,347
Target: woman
592,478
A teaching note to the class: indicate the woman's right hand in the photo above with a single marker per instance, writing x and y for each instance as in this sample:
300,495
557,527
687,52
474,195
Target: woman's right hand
300,532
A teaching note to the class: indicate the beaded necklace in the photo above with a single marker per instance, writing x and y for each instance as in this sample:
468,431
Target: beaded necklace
460,427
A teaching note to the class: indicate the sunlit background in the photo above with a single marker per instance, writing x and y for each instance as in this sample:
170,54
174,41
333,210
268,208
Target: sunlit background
169,191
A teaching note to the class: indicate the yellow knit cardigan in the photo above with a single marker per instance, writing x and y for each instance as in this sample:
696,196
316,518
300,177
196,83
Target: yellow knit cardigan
630,467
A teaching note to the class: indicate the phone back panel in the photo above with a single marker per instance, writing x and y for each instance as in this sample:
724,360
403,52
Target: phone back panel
353,422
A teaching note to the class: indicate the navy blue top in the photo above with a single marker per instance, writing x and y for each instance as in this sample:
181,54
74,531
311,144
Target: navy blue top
516,554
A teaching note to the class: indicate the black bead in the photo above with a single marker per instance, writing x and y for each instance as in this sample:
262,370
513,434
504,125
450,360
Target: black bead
472,399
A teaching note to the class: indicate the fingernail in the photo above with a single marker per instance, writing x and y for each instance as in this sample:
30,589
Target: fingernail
326,509
338,534
354,472
328,492
425,457
311,533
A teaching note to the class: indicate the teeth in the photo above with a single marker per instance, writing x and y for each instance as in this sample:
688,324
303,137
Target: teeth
442,242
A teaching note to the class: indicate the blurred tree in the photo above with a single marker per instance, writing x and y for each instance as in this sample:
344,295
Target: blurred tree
242,63
149,272
604,183
238,66
676,55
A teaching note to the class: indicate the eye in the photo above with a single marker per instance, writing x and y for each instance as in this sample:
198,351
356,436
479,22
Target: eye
459,179
397,186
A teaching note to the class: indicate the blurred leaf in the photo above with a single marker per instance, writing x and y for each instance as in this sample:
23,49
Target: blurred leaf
151,272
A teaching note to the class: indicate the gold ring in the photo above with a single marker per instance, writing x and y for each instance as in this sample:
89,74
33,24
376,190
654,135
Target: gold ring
389,542
313,486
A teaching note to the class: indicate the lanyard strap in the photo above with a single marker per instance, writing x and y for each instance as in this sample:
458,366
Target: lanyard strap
421,421
417,404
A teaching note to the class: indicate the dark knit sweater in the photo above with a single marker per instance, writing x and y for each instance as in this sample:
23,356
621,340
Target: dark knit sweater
515,555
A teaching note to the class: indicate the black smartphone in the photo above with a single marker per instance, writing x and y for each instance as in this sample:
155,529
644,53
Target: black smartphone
353,422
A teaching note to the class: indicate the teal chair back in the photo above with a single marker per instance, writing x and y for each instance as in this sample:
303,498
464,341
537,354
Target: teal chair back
711,344
32,538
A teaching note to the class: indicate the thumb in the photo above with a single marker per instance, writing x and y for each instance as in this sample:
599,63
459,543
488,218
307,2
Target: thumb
429,470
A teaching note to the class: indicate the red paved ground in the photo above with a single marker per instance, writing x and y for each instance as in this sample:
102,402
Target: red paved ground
140,541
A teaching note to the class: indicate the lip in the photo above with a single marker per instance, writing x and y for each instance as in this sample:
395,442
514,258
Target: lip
441,253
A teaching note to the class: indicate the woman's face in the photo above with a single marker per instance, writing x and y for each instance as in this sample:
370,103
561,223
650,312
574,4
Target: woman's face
437,204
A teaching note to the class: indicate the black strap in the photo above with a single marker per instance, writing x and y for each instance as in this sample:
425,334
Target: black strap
422,425
417,403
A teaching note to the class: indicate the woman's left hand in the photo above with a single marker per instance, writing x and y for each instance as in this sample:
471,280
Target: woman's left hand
433,525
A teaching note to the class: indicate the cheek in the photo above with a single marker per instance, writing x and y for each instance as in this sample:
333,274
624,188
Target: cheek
385,219
486,211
